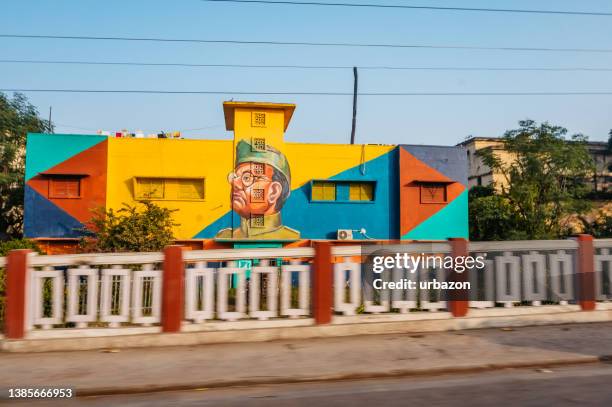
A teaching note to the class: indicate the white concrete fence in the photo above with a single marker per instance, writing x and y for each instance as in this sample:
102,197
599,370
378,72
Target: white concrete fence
126,290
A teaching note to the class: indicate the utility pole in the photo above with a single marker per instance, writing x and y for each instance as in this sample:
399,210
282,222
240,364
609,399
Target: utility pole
50,124
354,105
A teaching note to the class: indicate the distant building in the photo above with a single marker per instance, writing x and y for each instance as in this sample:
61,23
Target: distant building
253,190
480,174
603,161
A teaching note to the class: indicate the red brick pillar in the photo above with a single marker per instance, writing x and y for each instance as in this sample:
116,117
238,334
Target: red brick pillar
459,299
586,273
173,292
322,283
16,286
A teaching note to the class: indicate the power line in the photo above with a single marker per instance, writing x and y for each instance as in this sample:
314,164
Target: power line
230,93
401,6
312,44
239,66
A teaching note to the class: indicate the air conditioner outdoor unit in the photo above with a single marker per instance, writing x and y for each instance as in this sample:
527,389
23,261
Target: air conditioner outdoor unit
344,234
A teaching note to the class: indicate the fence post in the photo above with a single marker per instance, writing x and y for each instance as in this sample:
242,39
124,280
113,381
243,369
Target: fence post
586,272
322,290
16,288
173,292
459,299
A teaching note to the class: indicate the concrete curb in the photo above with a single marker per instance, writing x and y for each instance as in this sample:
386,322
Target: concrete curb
476,368
380,325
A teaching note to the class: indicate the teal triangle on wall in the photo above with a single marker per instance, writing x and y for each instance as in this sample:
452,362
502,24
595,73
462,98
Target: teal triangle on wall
44,151
451,221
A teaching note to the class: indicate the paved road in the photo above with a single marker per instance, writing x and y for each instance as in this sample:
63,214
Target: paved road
586,385
294,361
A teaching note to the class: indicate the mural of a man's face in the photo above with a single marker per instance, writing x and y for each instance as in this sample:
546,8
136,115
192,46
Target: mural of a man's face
255,190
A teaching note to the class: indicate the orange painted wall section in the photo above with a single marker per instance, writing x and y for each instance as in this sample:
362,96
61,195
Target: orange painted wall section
91,164
412,172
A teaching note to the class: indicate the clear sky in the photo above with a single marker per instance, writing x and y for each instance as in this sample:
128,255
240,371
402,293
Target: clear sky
411,120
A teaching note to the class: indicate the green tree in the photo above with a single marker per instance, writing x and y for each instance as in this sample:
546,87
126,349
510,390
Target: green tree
544,177
600,226
17,118
480,191
130,229
491,218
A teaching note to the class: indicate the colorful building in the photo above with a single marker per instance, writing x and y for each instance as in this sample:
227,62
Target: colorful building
254,189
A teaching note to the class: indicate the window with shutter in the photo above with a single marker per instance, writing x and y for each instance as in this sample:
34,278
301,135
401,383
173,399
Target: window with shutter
323,191
190,188
361,191
169,189
64,187
150,188
433,192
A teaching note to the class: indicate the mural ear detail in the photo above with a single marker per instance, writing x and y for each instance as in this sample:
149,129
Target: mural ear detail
276,190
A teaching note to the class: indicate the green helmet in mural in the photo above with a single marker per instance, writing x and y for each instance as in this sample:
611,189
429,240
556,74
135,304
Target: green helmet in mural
246,153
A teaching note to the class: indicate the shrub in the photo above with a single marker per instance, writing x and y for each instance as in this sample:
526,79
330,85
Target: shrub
8,245
146,227
491,218
600,227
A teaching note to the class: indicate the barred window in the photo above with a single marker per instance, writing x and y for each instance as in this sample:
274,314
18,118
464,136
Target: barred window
257,168
257,195
258,119
259,144
257,221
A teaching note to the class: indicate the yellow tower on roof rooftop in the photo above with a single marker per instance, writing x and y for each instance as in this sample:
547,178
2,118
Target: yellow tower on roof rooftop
261,180
260,124
230,109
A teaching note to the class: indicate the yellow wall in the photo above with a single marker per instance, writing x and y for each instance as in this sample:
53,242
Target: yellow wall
321,161
210,159
213,160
